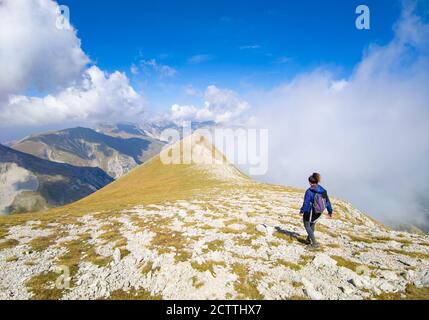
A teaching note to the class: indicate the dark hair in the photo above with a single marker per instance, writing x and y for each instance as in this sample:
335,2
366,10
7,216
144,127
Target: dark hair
314,178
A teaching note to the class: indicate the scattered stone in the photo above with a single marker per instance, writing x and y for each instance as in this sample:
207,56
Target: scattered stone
117,256
322,260
265,229
237,226
422,279
404,263
360,282
310,291
387,287
346,290
388,275
261,228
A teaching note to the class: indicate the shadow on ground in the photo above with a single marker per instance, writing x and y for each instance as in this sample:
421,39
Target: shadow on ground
291,234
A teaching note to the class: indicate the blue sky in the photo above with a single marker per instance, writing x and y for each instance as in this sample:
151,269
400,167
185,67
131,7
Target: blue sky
239,44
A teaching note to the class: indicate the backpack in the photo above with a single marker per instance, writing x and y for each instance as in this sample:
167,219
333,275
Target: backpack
319,203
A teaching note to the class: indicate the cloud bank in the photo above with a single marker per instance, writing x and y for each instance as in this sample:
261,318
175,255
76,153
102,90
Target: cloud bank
37,55
367,135
100,96
220,106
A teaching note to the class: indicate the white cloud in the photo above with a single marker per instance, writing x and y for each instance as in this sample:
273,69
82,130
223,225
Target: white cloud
162,69
134,69
366,134
34,53
283,60
338,85
99,96
247,47
221,106
183,113
200,58
226,104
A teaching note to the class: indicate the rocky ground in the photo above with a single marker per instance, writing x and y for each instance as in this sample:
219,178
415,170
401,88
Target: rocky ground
244,243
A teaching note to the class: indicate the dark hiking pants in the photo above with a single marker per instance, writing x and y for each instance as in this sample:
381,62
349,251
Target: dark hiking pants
310,220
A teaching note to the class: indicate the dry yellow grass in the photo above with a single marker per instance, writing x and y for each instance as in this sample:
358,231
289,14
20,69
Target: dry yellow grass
8,244
246,285
411,293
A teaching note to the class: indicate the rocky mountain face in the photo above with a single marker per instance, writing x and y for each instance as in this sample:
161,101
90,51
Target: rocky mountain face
115,149
204,231
28,183
151,129
129,130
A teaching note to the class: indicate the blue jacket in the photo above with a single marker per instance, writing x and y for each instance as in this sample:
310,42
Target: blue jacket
309,199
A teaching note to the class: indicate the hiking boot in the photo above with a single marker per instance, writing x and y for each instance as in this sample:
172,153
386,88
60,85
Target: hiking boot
307,241
313,246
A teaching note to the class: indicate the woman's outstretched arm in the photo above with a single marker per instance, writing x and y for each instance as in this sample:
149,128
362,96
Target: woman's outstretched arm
329,205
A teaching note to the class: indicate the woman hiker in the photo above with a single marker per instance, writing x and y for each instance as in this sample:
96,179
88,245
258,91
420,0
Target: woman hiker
316,200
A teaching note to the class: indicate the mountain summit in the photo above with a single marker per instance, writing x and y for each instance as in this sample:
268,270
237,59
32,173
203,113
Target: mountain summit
196,150
184,169
179,229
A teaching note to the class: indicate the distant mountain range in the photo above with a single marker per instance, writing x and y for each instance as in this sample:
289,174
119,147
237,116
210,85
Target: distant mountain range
28,183
55,168
116,149
148,129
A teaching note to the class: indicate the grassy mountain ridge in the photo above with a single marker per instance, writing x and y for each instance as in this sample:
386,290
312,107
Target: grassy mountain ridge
154,182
